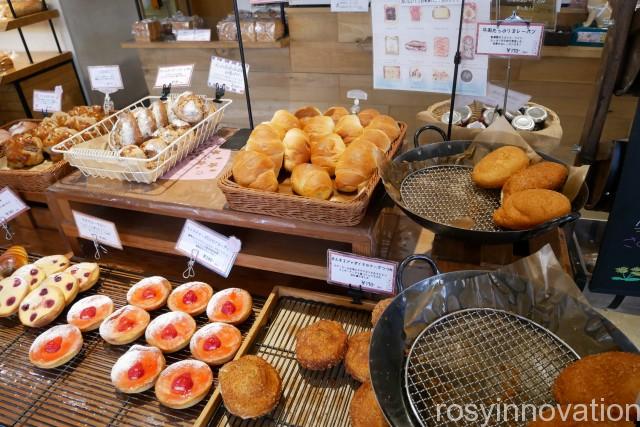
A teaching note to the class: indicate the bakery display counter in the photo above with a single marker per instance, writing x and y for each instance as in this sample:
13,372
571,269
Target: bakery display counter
215,44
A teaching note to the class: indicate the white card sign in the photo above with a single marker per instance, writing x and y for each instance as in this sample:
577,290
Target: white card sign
194,35
228,73
495,96
370,274
10,205
213,250
175,75
105,78
96,229
47,101
349,5
509,39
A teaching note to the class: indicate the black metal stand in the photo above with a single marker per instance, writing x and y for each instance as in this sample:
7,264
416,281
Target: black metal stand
456,61
244,64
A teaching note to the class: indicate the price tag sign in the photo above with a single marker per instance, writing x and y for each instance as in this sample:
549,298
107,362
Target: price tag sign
47,101
349,5
175,75
195,35
10,205
228,73
213,250
105,78
370,274
96,229
509,39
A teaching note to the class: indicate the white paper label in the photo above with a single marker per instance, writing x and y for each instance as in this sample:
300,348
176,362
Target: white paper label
105,78
47,101
213,250
495,96
10,205
176,75
92,228
509,39
194,35
349,5
370,274
228,73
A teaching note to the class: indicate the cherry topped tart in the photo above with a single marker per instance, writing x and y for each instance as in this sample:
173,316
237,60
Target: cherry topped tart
216,343
53,264
170,331
56,346
124,325
184,384
231,305
191,298
150,293
12,291
33,274
138,369
66,283
86,273
41,306
88,313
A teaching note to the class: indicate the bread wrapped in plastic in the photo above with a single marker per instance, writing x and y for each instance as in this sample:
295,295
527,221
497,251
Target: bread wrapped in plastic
147,30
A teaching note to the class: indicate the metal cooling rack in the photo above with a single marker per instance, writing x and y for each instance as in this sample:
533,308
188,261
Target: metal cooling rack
80,392
309,398
482,356
445,194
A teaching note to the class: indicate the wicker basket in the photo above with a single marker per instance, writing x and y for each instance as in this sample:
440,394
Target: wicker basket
29,180
303,208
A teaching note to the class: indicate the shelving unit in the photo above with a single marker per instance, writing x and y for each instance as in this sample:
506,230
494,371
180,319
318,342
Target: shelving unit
216,44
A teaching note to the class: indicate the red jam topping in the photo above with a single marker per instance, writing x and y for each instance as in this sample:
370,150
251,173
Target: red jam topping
69,286
49,303
54,345
57,278
228,308
11,300
124,324
169,332
190,297
88,313
149,293
16,282
182,384
212,343
136,371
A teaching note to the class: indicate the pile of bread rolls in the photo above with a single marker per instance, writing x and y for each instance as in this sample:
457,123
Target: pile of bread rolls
325,153
529,192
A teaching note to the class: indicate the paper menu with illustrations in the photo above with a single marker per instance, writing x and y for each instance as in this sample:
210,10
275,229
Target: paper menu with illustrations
414,44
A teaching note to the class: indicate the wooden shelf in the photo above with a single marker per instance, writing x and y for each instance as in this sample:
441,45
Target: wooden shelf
12,24
216,44
572,52
42,60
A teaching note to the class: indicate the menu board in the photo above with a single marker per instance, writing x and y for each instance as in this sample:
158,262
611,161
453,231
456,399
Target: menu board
543,11
414,44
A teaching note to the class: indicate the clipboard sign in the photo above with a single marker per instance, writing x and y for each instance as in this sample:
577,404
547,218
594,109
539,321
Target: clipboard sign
11,205
97,230
355,271
105,78
175,76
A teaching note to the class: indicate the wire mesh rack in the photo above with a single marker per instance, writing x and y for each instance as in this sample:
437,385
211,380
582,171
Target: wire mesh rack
309,398
445,194
483,357
80,392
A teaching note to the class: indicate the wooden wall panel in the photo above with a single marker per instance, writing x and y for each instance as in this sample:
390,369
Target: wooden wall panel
353,27
330,57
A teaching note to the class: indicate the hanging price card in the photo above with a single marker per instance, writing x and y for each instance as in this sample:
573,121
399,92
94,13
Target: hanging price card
176,75
105,78
509,39
194,35
47,101
213,250
370,274
228,73
10,205
96,229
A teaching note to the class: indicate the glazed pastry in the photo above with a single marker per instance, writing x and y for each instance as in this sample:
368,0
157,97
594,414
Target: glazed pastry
189,107
41,306
61,119
250,387
12,291
215,343
285,120
32,274
356,165
356,361
21,127
336,113
367,115
387,125
349,128
191,298
44,129
526,209
53,264
494,169
379,309
12,259
125,325
146,122
56,136
312,181
321,345
132,151
377,138
319,126
86,273
159,112
80,123
545,175
88,313
153,147
232,305
150,293
138,369
305,113
254,170
364,409
279,130
269,146
125,132
23,151
66,283
296,149
184,384
326,150
56,346
170,331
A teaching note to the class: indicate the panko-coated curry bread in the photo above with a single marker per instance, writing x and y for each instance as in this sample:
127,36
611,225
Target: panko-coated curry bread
356,361
364,409
544,175
321,345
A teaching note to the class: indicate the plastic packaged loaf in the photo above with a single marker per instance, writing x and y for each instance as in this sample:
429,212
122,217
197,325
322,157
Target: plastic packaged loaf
147,30
261,27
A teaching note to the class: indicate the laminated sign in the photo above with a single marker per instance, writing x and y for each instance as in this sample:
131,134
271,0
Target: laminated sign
367,274
227,73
